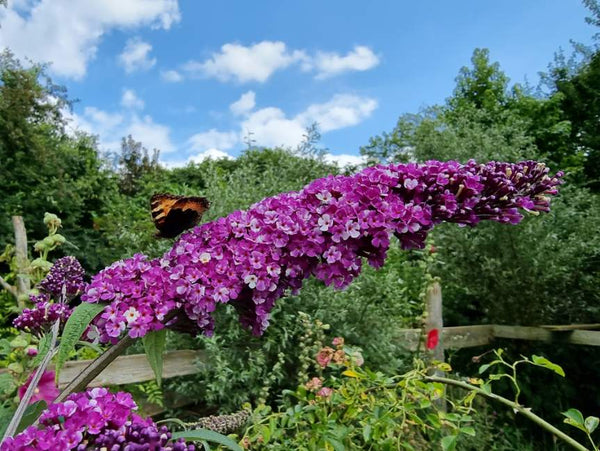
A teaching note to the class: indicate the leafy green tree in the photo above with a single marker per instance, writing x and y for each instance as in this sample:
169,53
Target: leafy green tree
134,162
43,167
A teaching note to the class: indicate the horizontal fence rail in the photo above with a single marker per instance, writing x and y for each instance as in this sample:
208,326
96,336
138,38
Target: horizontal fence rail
471,336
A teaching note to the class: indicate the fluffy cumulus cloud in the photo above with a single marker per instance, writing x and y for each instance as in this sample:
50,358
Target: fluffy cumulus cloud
151,134
136,56
328,64
343,110
171,76
257,62
239,63
131,100
67,33
271,127
212,139
244,104
110,127
345,159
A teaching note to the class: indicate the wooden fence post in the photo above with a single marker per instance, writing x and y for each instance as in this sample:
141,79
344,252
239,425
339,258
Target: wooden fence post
22,283
433,306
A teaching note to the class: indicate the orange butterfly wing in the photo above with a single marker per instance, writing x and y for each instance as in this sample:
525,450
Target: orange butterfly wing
174,214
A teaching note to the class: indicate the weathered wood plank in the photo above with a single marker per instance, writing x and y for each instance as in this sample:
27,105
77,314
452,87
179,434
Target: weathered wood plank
135,368
571,327
452,337
579,337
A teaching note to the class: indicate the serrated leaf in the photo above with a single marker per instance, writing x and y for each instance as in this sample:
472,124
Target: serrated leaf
154,345
209,436
351,373
449,443
544,362
591,423
81,317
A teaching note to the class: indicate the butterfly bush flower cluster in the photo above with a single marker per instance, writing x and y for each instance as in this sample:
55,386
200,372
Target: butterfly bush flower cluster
65,276
250,258
95,419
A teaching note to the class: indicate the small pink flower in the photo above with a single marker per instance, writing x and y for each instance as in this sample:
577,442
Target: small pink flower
339,356
314,384
433,338
46,389
325,392
324,356
32,352
338,341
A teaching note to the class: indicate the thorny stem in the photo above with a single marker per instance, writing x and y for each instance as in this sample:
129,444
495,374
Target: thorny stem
526,412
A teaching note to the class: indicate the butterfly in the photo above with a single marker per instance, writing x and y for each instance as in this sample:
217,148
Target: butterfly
174,214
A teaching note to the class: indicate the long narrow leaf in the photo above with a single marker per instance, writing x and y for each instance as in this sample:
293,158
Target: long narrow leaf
208,435
79,320
154,345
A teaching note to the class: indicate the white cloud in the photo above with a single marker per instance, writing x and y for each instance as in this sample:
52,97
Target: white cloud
213,139
328,64
150,134
131,100
136,56
210,154
171,76
67,33
244,104
244,64
345,159
343,110
270,126
112,127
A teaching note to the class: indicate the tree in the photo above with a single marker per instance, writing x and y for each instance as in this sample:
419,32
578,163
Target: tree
134,163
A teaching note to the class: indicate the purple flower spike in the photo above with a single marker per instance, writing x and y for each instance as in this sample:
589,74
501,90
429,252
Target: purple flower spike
250,258
95,419
67,272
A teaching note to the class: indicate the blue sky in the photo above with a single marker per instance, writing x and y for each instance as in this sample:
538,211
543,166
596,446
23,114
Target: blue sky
192,78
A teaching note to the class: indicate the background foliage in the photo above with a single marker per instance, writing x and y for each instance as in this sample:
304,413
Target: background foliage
546,270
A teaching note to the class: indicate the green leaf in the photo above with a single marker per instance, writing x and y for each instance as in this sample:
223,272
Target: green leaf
591,423
19,342
544,362
367,433
43,348
575,418
449,442
208,435
7,384
154,345
468,430
483,368
81,317
32,413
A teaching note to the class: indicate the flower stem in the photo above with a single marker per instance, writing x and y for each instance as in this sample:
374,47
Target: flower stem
95,368
16,419
517,408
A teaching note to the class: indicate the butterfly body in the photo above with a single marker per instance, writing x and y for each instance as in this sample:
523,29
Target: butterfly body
174,214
